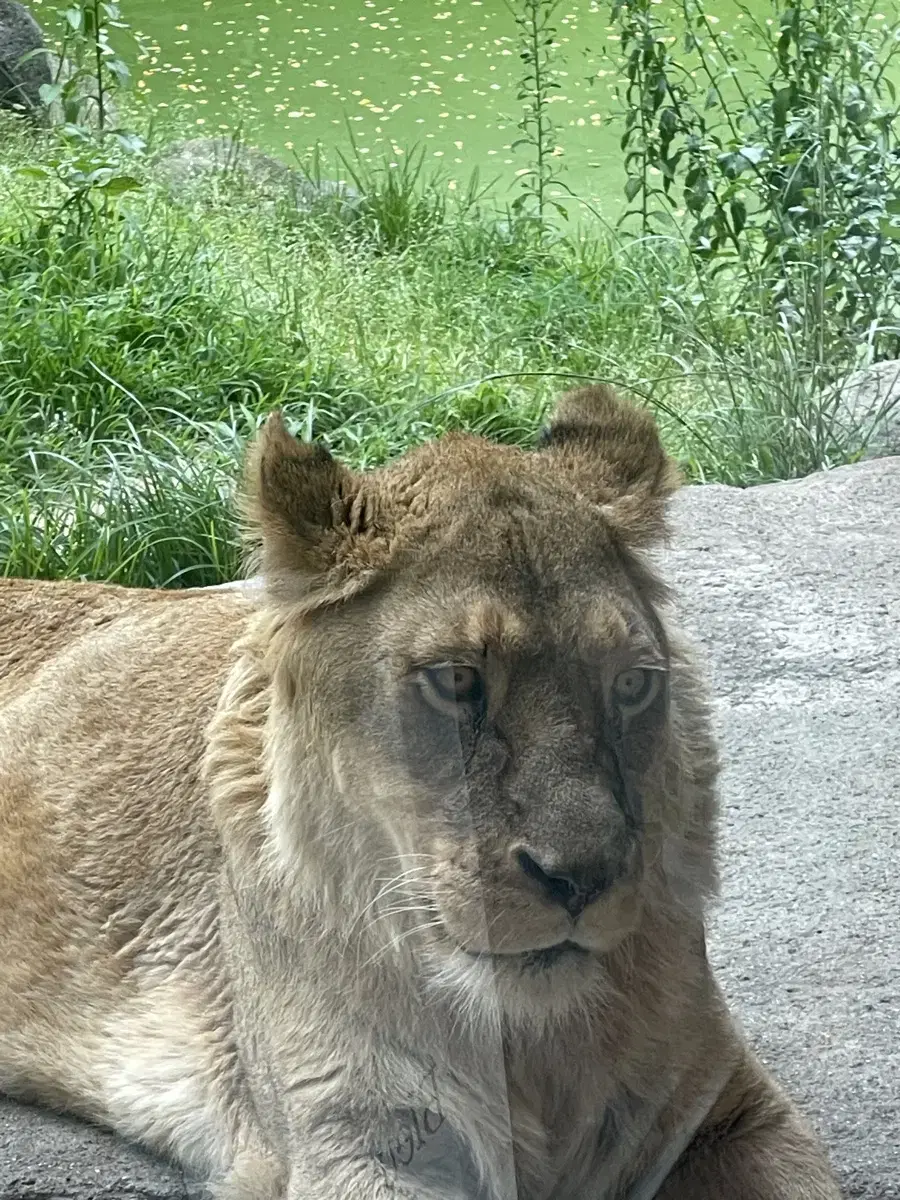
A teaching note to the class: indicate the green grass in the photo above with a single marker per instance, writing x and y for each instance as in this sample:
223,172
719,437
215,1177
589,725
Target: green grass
142,341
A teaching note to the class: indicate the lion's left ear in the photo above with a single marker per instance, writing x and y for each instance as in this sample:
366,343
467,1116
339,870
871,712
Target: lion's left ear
310,516
611,451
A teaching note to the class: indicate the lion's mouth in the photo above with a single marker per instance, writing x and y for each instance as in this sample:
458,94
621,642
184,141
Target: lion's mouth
535,960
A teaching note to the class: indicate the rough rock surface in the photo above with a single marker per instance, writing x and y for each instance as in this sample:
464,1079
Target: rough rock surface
868,409
188,164
20,82
794,592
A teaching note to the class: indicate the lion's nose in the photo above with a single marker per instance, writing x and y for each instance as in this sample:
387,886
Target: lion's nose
573,885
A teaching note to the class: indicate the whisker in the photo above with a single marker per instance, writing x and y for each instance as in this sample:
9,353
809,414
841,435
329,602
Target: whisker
395,884
395,942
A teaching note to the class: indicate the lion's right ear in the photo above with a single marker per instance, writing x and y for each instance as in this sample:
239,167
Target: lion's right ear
307,514
610,449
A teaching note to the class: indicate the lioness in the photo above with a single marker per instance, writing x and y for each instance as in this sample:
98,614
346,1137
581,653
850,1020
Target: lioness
390,881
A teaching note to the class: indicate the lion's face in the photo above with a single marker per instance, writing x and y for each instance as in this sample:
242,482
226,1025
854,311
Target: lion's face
496,695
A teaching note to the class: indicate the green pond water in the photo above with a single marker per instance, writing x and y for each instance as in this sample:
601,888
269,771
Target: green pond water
438,74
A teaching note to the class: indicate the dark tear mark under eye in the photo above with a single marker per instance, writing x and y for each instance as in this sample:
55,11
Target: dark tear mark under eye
470,735
611,757
441,745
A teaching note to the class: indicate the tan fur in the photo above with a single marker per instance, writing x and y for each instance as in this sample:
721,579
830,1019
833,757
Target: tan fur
269,907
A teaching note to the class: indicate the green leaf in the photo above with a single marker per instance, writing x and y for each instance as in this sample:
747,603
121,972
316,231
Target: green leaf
633,186
132,142
49,92
780,105
738,215
121,183
753,154
119,69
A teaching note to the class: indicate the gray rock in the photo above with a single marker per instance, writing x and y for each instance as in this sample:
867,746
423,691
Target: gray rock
793,591
868,408
48,1157
187,162
20,82
191,164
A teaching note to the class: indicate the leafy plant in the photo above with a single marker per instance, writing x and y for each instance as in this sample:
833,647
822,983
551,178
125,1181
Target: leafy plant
398,205
538,51
787,176
85,176
89,70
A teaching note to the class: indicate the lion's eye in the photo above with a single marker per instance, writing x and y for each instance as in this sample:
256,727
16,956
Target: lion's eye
636,689
451,685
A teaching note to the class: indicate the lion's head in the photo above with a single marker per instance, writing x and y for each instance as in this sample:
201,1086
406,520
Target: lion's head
481,742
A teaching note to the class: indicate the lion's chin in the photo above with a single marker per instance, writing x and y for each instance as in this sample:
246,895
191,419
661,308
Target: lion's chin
528,989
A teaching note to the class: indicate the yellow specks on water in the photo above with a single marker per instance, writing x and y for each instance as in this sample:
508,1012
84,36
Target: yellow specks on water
257,69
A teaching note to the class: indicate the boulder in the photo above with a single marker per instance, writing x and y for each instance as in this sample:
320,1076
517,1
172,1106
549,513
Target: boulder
20,82
792,591
868,409
188,165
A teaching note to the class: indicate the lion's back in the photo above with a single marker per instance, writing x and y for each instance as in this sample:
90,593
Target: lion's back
40,620
105,693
